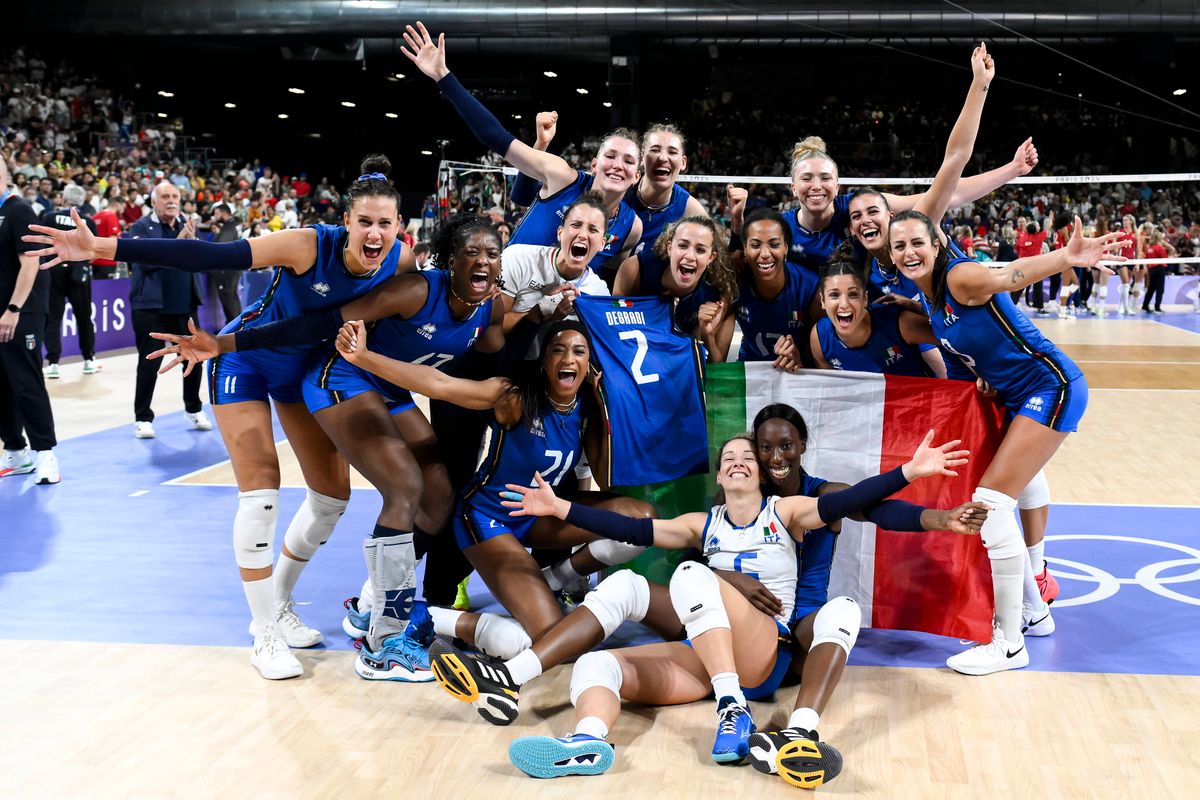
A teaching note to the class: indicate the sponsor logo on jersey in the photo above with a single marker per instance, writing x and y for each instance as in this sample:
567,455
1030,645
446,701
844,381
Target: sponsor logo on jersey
1035,404
713,545
321,288
625,317
427,330
30,341
537,428
836,363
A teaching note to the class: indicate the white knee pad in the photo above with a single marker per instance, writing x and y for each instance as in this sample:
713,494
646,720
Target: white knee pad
837,622
696,596
500,637
1036,494
254,528
1000,533
621,596
597,668
611,553
313,523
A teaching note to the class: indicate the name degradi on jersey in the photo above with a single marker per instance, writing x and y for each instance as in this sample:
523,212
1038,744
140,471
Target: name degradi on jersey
763,549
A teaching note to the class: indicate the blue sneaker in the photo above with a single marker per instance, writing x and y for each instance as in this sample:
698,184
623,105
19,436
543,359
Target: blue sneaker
356,623
420,626
399,659
577,754
734,726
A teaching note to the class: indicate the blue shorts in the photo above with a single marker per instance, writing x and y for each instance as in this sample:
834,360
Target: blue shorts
257,375
472,527
783,660
1059,409
335,380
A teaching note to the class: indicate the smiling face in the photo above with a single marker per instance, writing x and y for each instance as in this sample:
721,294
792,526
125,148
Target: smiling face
780,449
580,238
664,159
565,362
844,301
765,248
475,265
913,250
738,467
371,224
815,183
616,165
869,218
690,252
166,202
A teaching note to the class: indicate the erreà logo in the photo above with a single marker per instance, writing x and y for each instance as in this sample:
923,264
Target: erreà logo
427,330
321,288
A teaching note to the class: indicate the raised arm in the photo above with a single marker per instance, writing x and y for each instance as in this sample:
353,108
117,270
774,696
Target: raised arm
552,171
679,533
974,284
525,189
419,378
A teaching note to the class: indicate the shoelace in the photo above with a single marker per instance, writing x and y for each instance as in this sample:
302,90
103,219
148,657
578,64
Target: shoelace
275,644
729,719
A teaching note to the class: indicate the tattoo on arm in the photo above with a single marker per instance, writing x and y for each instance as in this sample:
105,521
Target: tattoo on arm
1017,276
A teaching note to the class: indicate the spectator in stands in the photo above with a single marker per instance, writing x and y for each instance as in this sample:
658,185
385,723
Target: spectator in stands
225,229
108,224
301,185
162,299
24,403
421,254
70,281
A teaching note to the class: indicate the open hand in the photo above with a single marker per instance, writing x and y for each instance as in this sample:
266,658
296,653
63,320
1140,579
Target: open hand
930,459
73,245
192,350
430,58
537,501
1084,251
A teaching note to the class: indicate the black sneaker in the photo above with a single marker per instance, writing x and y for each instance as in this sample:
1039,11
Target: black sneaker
806,761
485,685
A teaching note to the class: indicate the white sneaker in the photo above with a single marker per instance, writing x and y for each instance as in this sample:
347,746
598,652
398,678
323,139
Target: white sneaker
51,371
91,367
200,421
984,659
143,430
16,462
1036,622
272,658
295,632
47,468
1062,313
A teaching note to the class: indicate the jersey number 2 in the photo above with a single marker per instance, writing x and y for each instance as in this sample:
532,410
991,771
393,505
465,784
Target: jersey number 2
639,358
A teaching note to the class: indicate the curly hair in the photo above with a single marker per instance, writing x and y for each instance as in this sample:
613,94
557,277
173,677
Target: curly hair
452,236
719,274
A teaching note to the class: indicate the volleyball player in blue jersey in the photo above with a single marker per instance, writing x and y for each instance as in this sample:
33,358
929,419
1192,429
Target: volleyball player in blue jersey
657,198
689,266
613,170
858,337
974,319
318,267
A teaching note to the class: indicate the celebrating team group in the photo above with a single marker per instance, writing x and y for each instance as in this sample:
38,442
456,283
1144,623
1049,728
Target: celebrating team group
560,346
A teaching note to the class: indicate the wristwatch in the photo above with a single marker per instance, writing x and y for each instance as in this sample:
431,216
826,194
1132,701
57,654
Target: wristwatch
13,307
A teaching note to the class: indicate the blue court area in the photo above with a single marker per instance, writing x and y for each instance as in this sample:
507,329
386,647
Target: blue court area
113,554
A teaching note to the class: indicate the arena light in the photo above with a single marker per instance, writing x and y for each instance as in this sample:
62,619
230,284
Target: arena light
162,115
283,116
231,105
426,152
516,116
607,104
161,93
550,74
399,76
582,91
294,90
347,104
391,115
1179,92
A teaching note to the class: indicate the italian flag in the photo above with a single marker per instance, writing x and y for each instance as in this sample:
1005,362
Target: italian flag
861,424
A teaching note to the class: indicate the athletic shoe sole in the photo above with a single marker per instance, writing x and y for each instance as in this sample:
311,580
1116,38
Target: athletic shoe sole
276,674
807,764
543,757
1043,627
4,473
763,752
1016,661
456,680
395,672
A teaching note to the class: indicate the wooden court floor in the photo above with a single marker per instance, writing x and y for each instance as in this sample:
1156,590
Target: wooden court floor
150,721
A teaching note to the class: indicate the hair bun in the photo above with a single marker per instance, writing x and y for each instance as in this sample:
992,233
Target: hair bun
809,146
376,162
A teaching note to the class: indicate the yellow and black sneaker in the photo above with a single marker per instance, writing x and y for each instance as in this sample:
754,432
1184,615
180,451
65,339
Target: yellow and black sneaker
486,685
805,761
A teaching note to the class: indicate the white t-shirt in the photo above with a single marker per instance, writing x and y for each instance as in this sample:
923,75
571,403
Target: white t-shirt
528,273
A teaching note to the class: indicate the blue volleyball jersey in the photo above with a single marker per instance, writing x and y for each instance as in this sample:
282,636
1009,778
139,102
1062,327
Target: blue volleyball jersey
541,222
999,344
885,352
328,284
884,280
814,557
811,249
654,220
650,379
551,444
686,311
432,336
763,322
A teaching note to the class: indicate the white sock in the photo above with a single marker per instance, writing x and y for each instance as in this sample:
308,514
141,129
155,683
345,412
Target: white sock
524,666
502,637
1006,552
561,574
1104,292
726,684
1037,560
1029,589
592,726
805,719
445,620
260,595
287,572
